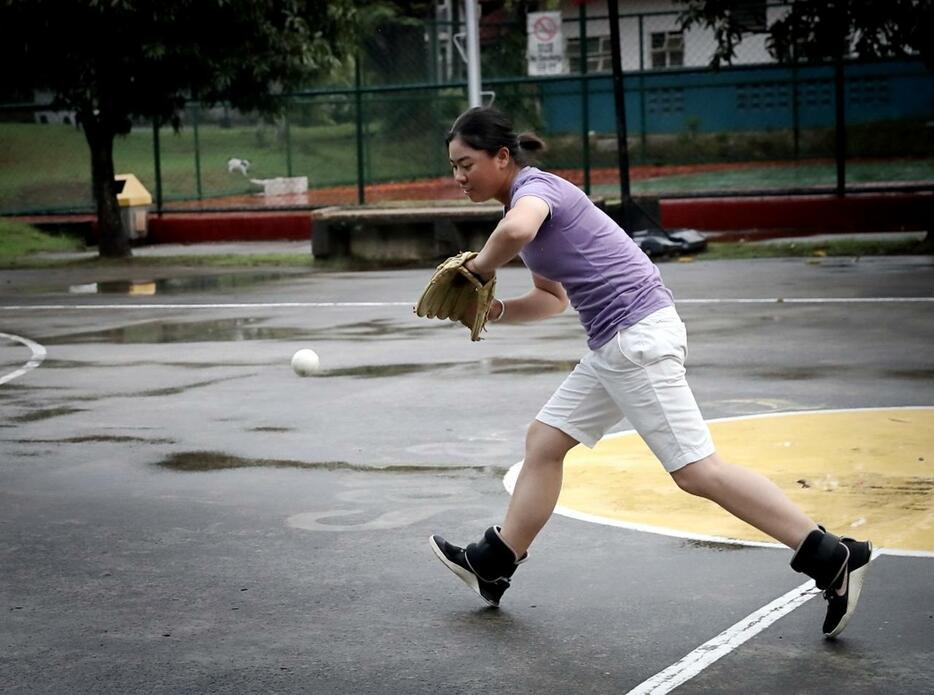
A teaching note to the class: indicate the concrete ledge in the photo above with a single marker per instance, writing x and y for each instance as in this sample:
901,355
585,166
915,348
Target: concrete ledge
402,234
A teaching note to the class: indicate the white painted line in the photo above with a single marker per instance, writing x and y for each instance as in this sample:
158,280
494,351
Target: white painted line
808,300
232,305
682,671
714,649
352,305
38,355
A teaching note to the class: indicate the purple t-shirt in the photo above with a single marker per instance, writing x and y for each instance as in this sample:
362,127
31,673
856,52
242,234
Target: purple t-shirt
609,280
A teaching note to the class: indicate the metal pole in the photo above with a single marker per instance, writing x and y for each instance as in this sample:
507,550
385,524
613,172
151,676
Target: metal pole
643,140
840,104
157,160
840,126
288,141
585,98
621,136
361,194
473,52
195,107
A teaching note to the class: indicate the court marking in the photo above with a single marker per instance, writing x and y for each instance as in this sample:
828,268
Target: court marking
509,482
714,649
351,305
38,355
727,641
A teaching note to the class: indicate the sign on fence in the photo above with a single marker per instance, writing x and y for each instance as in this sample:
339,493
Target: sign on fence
546,44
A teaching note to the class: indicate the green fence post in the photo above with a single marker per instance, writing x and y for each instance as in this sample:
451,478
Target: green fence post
157,161
433,49
643,145
195,108
585,96
840,123
622,140
288,141
361,194
795,116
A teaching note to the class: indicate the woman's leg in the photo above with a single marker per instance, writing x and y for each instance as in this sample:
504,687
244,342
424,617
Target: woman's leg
537,486
747,495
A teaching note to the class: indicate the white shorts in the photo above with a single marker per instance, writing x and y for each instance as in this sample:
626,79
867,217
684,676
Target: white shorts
638,375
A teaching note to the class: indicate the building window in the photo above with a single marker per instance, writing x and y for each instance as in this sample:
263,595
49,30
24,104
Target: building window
599,55
667,49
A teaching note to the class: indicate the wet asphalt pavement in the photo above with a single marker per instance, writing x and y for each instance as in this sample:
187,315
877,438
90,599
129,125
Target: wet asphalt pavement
180,513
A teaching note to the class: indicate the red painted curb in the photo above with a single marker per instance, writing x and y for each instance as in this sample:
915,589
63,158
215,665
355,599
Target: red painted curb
245,226
815,214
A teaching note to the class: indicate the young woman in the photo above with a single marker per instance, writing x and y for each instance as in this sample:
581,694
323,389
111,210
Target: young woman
634,368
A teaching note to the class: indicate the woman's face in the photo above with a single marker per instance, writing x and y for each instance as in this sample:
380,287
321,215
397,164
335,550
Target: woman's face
480,175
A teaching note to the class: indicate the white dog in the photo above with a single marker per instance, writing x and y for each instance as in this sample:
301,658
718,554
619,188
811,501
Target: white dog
237,164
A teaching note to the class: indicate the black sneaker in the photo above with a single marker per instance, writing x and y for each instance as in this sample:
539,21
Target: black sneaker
455,560
841,607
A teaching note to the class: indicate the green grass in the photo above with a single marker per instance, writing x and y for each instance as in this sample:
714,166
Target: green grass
804,248
801,176
46,167
19,241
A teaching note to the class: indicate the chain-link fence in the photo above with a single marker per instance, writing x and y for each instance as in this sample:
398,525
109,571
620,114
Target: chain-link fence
376,132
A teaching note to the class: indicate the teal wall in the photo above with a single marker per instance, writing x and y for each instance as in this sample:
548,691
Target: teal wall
744,99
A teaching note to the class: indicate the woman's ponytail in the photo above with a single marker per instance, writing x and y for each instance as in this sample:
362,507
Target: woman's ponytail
488,129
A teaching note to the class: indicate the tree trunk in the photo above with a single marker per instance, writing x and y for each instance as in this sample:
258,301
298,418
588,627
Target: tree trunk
113,239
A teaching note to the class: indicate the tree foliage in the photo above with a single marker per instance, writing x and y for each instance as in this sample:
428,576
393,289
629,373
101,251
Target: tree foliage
820,30
114,60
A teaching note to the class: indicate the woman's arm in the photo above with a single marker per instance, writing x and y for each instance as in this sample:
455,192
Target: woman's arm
517,228
546,298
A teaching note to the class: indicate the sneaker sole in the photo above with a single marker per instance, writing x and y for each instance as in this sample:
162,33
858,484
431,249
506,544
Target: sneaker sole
856,586
467,577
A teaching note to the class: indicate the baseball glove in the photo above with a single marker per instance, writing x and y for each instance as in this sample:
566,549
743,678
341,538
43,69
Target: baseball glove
457,294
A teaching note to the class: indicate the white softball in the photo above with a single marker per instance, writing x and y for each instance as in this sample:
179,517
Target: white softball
305,362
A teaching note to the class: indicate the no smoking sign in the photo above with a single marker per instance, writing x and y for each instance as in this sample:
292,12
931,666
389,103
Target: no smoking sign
545,29
546,44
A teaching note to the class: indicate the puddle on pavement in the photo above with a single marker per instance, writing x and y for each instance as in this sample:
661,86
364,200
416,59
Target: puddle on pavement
158,332
244,328
95,438
382,370
75,364
46,414
183,388
503,365
204,461
836,370
178,285
231,330
496,365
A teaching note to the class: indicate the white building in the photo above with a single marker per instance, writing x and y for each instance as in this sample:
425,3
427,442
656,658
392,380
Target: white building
662,44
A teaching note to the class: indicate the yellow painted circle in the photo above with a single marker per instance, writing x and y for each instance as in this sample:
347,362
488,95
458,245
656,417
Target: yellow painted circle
861,473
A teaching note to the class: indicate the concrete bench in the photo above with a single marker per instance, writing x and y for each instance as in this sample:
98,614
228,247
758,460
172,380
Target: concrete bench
402,233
